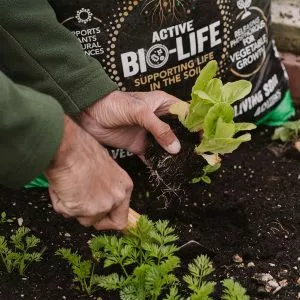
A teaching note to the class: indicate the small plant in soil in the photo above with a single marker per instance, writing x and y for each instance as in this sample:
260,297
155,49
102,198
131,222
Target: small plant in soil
210,115
289,132
83,270
147,262
20,255
203,289
3,218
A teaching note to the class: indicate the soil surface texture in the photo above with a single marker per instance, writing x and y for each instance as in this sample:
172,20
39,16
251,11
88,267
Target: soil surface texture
251,208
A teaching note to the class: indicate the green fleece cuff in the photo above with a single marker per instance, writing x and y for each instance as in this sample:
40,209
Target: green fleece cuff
91,90
31,130
44,142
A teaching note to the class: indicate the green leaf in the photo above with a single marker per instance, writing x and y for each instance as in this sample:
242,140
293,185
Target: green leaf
173,294
211,169
206,74
110,282
221,145
181,109
293,125
196,180
221,111
244,127
197,112
204,292
233,291
234,91
282,134
224,130
199,269
206,179
214,89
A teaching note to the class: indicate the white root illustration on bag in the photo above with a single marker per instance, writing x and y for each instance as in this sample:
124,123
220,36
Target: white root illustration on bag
244,4
165,9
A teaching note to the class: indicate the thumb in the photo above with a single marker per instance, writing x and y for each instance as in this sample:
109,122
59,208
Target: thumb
162,133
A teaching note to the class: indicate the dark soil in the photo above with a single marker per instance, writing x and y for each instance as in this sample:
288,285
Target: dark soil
252,208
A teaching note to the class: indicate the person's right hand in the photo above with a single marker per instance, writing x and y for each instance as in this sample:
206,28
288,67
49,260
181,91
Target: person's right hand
86,183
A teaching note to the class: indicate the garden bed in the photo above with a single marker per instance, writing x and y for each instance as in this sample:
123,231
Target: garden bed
252,208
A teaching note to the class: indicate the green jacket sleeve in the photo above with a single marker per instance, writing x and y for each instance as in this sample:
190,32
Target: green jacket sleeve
31,129
37,51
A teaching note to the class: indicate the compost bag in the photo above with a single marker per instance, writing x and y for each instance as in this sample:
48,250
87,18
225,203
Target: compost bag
148,45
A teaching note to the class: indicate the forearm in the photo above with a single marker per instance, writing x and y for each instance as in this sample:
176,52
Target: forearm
31,130
40,53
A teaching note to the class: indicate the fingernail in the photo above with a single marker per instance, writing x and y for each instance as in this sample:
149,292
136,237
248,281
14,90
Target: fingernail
174,148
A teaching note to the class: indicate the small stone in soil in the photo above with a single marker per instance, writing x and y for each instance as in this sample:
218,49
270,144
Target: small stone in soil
237,259
250,264
272,265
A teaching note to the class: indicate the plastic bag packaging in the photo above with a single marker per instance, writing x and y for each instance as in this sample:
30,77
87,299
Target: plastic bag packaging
158,44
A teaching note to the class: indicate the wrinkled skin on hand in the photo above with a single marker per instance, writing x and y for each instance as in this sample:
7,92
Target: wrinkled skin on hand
121,120
86,183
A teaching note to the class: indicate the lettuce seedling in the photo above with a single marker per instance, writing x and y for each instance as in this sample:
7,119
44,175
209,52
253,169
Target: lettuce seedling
210,112
288,132
20,256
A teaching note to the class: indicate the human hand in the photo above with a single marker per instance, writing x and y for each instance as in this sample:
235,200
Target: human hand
122,119
86,183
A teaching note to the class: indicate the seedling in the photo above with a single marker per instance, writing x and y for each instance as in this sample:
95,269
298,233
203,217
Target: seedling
83,270
19,257
207,170
147,261
3,218
203,289
288,132
210,112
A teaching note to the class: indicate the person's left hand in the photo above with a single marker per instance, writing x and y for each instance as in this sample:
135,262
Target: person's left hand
122,119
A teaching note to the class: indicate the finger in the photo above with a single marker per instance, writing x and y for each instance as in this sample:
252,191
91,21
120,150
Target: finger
158,101
116,220
143,159
162,132
55,200
90,221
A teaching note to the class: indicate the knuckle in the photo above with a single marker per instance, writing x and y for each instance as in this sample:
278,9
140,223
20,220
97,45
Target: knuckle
164,131
120,225
85,223
141,110
159,93
129,185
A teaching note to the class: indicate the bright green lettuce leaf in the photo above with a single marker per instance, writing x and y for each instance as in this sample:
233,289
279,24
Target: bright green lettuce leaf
221,145
234,91
197,112
217,116
244,126
181,109
214,89
206,74
224,130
